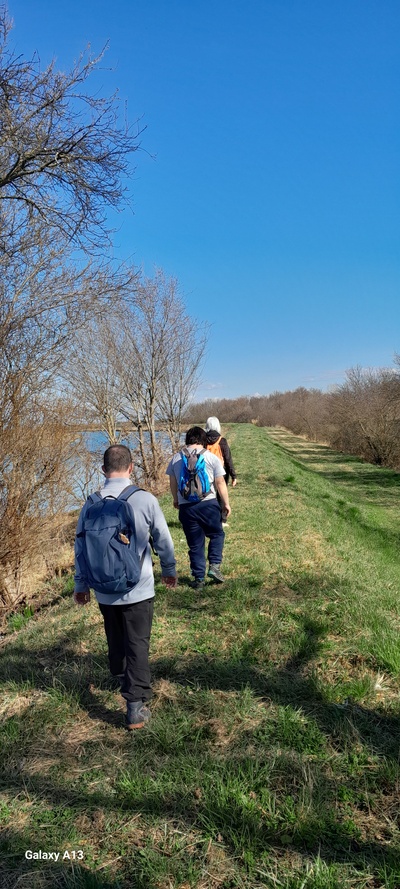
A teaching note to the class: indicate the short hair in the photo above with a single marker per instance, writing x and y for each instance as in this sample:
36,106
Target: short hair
116,458
196,435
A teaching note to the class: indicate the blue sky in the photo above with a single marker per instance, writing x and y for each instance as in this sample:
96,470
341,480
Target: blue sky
268,183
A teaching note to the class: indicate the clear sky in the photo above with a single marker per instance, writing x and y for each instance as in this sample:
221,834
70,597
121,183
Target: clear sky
269,180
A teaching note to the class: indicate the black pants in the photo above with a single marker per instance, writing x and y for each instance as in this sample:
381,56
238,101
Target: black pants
128,629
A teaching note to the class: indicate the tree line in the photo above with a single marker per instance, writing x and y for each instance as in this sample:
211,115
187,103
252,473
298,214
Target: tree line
86,342
360,417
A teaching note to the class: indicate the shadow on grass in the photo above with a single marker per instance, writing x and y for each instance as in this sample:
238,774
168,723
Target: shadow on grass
346,724
220,812
174,523
378,536
334,838
293,684
61,666
380,483
377,729
379,488
54,875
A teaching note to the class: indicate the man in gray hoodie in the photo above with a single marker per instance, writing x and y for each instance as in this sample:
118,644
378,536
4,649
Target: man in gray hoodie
128,618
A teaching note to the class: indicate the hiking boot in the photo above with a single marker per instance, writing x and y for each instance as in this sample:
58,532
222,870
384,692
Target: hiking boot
198,583
214,571
137,714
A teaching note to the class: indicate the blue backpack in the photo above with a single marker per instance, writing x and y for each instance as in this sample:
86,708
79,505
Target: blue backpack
111,559
194,483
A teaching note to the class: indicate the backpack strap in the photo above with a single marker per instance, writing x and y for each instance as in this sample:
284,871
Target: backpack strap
126,493
97,495
188,453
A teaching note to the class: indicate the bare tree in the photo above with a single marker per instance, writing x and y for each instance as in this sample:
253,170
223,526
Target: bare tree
184,359
85,474
365,411
64,154
161,352
63,151
43,298
142,366
35,451
89,367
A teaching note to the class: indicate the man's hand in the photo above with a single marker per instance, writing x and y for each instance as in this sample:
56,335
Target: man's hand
82,598
171,582
173,484
234,482
222,490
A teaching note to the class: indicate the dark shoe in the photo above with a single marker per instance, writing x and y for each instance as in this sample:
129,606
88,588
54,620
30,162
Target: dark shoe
137,714
198,583
214,571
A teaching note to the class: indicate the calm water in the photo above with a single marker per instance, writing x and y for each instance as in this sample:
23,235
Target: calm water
97,441
89,475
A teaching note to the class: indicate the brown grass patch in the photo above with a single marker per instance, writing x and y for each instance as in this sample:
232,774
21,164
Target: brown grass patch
40,765
17,704
165,691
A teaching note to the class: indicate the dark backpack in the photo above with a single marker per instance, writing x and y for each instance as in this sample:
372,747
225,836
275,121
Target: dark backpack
194,483
111,559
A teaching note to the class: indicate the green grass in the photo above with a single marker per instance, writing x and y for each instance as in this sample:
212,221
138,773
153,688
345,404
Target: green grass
20,618
272,758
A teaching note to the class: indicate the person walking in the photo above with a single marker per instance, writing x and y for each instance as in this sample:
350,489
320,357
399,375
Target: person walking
201,516
127,613
218,445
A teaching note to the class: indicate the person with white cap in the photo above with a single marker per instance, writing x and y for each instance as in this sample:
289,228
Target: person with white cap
218,445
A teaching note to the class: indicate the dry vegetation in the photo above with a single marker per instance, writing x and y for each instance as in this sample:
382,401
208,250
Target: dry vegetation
360,417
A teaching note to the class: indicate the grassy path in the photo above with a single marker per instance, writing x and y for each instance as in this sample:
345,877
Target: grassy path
273,755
